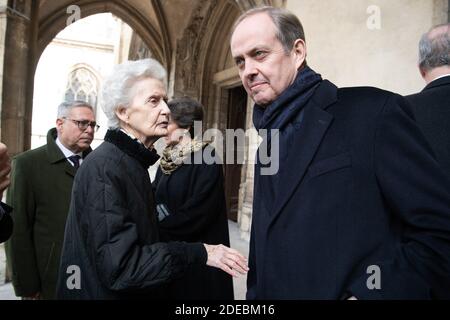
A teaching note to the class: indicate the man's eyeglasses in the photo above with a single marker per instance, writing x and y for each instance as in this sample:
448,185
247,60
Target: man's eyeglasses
84,124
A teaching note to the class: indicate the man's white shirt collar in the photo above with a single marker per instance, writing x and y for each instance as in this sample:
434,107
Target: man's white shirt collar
67,153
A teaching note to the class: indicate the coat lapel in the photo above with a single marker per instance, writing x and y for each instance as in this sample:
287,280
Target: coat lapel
56,156
70,170
308,134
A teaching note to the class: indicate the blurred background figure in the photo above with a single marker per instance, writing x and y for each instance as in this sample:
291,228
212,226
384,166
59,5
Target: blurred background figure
431,106
191,201
40,192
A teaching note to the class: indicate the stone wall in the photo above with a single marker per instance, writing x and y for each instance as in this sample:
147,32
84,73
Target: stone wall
368,42
351,42
3,20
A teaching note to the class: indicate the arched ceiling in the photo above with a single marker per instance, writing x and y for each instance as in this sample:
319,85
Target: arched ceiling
161,24
146,17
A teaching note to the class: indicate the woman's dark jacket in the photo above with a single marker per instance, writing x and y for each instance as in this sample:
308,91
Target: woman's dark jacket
195,199
111,237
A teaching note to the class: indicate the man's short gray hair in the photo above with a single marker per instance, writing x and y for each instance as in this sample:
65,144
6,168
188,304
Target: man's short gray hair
65,107
434,49
117,87
288,26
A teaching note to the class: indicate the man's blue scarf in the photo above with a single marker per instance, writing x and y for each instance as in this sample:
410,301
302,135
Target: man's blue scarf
287,106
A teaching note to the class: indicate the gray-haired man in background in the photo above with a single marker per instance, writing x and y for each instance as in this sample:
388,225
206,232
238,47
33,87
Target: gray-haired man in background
40,192
432,106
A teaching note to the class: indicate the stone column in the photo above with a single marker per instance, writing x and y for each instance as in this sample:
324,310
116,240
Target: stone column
20,19
246,189
448,13
441,10
3,20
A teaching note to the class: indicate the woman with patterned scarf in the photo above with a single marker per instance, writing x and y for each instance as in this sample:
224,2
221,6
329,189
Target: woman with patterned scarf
190,201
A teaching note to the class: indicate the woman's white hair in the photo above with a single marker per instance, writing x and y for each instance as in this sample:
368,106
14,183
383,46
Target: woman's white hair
116,90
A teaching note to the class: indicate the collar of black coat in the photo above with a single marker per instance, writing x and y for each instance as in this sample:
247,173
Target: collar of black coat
54,153
444,81
132,147
325,95
290,103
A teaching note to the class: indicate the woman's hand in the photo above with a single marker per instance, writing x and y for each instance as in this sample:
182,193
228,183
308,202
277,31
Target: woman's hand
227,259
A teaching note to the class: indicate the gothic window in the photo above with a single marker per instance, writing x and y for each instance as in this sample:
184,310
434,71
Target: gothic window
82,85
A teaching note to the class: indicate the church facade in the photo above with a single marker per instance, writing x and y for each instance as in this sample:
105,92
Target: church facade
352,42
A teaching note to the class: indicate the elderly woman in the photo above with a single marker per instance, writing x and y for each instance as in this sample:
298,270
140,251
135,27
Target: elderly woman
111,247
190,201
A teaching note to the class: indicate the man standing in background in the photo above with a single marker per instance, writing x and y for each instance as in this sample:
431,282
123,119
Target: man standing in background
431,106
40,193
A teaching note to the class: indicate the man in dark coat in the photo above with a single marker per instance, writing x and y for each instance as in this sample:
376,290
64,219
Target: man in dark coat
359,207
41,186
6,223
432,106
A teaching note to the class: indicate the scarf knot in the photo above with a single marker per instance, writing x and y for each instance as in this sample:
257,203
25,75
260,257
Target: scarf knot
173,157
288,105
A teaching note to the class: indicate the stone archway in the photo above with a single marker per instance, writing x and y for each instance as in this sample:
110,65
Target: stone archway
31,25
147,31
20,37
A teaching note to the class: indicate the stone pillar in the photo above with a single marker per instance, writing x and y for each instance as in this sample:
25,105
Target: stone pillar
248,173
3,20
19,63
448,12
441,9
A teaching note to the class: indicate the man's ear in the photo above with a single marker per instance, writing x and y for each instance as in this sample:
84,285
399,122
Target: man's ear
59,123
422,72
122,114
300,51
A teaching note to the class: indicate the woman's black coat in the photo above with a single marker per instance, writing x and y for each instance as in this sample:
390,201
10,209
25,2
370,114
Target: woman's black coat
111,247
194,196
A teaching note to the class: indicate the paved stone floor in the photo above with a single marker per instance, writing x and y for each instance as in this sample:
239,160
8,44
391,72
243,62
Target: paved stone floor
7,291
240,284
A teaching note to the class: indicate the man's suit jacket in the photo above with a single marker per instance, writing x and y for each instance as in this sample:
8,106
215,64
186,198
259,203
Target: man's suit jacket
431,108
358,189
40,192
